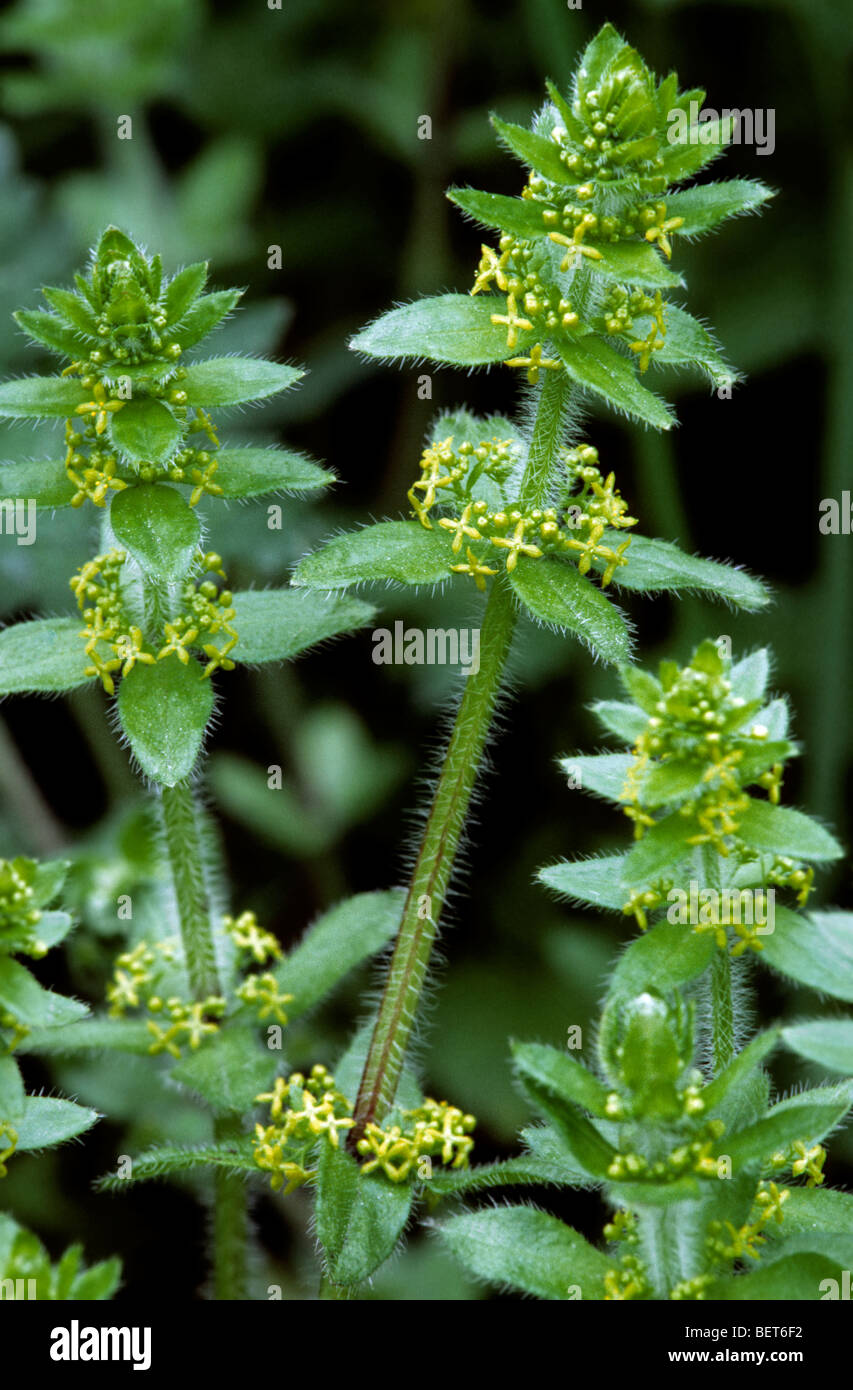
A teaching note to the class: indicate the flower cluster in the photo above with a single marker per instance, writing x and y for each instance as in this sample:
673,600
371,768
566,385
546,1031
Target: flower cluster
601,165
302,1110
261,990
19,913
454,479
114,643
432,1130
139,976
305,1109
125,330
95,469
702,747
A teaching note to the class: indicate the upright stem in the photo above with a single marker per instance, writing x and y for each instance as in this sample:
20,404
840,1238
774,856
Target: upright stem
185,861
184,848
230,1226
447,816
722,1012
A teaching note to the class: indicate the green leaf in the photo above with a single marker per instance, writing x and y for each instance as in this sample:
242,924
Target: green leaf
740,1069
98,1283
808,1116
47,1121
145,430
34,397
827,1041
593,881
656,566
749,676
701,144
619,718
455,329
833,1245
533,150
74,309
53,927
554,592
49,878
221,381
520,217
161,532
12,1098
662,848
688,343
253,472
561,1076
358,1219
670,782
48,329
584,1146
707,205
183,288
164,711
89,1035
815,950
203,317
45,655
229,1070
781,830
818,1209
279,624
602,773
598,55
528,1170
234,1155
663,958
645,690
35,1007
636,263
598,368
521,1248
45,482
403,551
794,1278
336,943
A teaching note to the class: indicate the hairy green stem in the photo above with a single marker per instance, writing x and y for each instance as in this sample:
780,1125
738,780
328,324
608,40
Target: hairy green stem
230,1221
230,1226
722,1011
448,813
184,849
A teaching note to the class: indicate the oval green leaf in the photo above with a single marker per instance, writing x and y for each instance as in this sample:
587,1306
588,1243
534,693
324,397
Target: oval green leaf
232,380
161,532
164,710
554,592
47,654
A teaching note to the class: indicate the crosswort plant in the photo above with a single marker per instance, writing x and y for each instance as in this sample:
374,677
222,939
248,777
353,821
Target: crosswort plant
712,1185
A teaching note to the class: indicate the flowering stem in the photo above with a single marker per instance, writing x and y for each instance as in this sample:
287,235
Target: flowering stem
183,846
230,1220
446,821
230,1225
722,1011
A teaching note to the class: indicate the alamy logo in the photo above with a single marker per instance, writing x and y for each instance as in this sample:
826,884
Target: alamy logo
18,1289
726,907
76,1343
698,127
436,646
18,518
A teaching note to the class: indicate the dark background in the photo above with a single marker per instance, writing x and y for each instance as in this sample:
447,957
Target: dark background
298,128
